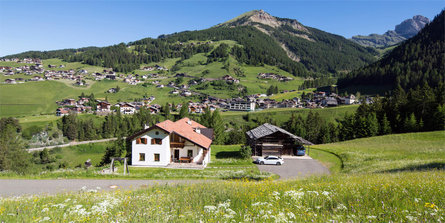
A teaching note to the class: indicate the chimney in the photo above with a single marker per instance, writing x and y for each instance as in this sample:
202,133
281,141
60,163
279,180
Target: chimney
197,130
189,122
146,126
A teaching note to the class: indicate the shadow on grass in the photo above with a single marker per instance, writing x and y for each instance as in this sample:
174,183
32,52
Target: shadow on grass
228,154
248,178
424,167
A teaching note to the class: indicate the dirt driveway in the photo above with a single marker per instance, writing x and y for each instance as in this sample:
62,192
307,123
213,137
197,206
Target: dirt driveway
295,167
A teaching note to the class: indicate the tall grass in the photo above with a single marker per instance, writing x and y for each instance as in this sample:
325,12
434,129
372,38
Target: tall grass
401,197
390,153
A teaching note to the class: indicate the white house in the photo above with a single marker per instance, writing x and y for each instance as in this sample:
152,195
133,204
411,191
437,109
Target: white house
183,141
242,105
127,109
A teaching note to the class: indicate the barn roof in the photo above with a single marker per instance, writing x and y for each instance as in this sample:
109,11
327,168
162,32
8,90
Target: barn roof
267,129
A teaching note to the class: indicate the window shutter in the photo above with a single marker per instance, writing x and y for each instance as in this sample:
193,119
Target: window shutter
153,141
138,141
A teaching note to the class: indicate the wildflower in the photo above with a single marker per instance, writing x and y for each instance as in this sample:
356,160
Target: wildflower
371,217
209,208
410,218
45,219
45,209
430,205
295,195
417,200
325,193
341,207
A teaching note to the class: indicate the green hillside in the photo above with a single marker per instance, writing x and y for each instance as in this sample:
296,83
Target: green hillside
289,46
414,62
390,153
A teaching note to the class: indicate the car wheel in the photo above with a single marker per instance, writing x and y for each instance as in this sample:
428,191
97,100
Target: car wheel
261,163
278,163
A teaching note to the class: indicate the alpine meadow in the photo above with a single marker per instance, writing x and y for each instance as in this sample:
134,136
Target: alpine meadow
257,118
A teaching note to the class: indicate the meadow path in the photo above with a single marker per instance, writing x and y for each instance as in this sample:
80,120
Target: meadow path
23,187
73,143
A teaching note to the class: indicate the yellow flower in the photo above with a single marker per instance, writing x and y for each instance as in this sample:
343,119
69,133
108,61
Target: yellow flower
430,205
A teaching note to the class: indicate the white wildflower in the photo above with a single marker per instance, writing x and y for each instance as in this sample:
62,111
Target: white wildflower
371,217
45,209
290,215
325,193
294,195
411,218
209,208
58,205
341,207
45,219
318,207
83,188
276,195
417,200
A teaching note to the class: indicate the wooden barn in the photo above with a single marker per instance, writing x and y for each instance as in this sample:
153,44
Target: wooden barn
268,139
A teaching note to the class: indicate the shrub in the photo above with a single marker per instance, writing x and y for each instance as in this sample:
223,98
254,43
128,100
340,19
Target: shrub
246,152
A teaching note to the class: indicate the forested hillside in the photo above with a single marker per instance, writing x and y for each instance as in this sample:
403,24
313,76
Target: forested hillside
419,60
260,37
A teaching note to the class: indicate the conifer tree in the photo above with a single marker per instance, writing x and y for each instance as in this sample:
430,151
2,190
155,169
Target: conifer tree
184,112
218,127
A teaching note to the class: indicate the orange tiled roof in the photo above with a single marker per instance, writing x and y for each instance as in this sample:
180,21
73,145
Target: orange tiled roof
186,128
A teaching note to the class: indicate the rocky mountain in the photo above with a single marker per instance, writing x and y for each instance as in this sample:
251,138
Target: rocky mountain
403,31
416,61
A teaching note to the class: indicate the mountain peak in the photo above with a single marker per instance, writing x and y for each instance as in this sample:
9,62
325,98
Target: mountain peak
411,27
262,17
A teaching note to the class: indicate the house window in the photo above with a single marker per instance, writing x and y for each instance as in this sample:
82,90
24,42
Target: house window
141,156
156,157
189,153
157,133
141,141
156,141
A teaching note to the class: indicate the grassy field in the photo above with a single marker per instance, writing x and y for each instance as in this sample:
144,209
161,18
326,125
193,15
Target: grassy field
30,99
401,197
225,164
389,153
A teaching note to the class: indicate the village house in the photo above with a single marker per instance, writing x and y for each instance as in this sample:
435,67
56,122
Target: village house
62,111
126,108
103,106
268,139
167,143
238,104
10,81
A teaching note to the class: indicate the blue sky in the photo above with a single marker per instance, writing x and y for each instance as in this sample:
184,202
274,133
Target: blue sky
51,24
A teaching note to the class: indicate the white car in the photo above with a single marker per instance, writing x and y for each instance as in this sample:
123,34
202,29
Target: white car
274,160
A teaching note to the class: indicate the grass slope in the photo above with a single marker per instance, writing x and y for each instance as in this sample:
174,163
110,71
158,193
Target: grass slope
389,153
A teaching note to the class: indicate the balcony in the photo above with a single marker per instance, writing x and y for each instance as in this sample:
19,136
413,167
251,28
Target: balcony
176,145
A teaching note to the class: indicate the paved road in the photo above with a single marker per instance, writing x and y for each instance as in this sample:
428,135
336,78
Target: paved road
295,168
17,187
70,144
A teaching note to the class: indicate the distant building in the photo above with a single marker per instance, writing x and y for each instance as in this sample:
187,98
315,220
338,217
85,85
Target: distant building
242,105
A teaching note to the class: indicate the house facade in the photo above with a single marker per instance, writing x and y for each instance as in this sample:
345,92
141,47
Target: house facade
183,141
